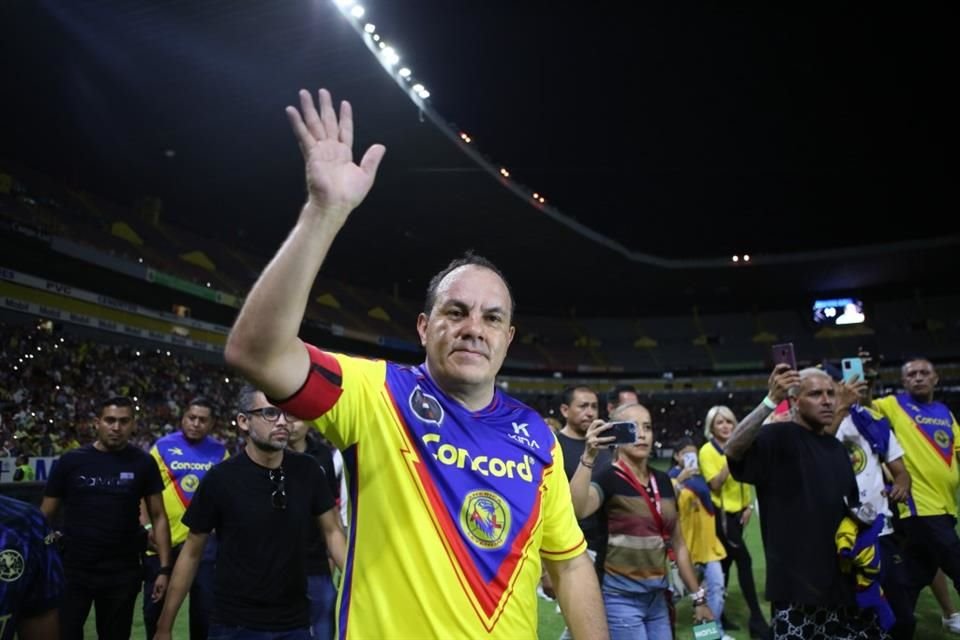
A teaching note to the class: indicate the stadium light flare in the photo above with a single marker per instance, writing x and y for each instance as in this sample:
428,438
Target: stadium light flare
504,172
465,137
746,257
735,258
357,11
369,28
404,72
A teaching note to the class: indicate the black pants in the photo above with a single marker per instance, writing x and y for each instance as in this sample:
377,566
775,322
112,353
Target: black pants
931,542
201,592
732,540
112,590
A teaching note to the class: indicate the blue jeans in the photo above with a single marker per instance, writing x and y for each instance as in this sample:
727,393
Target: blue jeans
637,616
224,632
323,600
713,583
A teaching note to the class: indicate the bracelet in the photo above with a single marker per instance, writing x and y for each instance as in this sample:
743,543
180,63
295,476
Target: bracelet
148,526
586,464
699,597
769,404
165,571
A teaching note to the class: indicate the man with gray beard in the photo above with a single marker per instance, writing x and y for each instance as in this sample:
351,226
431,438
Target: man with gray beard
262,503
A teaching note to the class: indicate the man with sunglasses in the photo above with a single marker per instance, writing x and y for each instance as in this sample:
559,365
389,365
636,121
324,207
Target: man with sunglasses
262,503
457,491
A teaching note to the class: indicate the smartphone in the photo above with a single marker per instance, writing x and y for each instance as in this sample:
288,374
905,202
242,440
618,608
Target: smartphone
783,354
623,433
852,368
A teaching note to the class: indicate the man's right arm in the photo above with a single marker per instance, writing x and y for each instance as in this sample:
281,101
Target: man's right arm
778,384
263,343
49,507
184,572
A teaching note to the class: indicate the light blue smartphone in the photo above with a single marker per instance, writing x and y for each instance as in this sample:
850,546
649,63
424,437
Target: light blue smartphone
852,368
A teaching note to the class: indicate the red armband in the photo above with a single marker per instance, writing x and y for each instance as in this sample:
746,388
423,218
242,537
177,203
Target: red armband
320,391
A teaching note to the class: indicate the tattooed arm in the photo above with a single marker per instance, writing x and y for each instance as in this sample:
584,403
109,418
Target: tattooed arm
780,381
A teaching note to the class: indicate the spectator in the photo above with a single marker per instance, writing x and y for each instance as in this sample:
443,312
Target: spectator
100,487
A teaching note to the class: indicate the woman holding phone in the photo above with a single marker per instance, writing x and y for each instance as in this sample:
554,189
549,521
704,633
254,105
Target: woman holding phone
640,509
734,503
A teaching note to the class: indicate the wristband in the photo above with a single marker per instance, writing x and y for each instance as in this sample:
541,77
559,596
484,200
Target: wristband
586,464
769,404
699,597
148,526
165,571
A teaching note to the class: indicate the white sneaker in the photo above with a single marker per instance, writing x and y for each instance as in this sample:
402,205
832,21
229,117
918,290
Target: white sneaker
952,624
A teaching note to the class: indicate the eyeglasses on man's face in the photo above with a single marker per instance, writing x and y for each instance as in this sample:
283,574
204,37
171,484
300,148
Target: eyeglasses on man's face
279,496
270,414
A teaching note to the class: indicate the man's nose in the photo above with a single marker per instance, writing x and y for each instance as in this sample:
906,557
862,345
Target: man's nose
472,326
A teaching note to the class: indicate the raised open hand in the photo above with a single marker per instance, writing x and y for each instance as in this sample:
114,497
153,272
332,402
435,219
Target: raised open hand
335,183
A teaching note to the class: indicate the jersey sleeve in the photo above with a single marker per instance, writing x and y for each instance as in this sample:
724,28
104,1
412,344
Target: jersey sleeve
45,586
337,394
885,407
956,433
562,537
711,461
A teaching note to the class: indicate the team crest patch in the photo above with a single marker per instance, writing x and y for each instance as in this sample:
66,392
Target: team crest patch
857,457
190,482
485,519
942,438
11,565
425,406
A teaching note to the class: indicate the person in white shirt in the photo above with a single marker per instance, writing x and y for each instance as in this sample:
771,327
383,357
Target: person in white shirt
871,443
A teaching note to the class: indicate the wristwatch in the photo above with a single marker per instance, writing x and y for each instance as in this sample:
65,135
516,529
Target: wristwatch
165,571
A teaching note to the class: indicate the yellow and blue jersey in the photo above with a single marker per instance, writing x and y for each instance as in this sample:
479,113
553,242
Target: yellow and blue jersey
182,466
930,436
450,509
31,576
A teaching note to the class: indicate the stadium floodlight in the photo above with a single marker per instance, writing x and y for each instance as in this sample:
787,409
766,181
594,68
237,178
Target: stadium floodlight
357,11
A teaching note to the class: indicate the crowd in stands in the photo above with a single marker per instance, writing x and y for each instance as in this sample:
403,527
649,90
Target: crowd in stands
51,382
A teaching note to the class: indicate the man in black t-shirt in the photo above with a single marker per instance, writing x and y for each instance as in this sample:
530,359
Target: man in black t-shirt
805,486
579,407
262,503
100,487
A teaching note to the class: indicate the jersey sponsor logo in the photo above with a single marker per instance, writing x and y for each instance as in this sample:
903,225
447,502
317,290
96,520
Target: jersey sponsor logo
485,519
177,451
190,482
858,458
521,435
939,422
190,466
942,438
461,458
11,565
425,406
